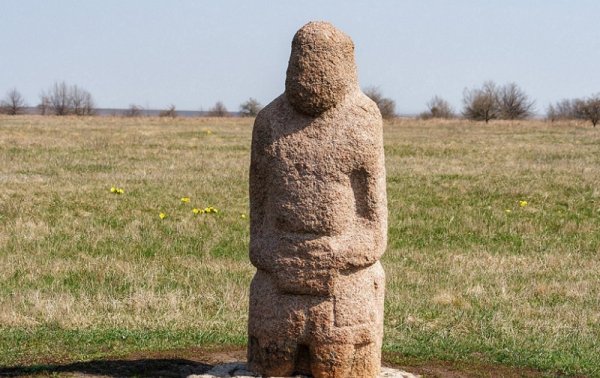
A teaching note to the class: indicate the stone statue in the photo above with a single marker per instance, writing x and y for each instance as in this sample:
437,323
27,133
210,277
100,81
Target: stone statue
318,218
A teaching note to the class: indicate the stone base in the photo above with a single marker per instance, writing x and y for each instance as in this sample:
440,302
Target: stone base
238,370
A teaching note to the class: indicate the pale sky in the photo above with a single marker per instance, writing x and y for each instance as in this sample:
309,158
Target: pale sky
194,53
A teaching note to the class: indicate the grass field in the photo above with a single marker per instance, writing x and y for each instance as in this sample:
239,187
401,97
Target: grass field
473,274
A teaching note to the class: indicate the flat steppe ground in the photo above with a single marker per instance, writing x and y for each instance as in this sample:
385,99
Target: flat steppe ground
493,256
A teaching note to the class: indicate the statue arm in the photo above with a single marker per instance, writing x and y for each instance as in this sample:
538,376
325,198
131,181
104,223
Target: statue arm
378,193
367,243
258,189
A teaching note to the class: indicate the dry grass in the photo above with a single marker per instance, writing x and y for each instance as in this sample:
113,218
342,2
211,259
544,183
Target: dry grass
81,268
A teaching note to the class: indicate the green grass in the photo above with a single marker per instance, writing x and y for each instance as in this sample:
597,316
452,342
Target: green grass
85,273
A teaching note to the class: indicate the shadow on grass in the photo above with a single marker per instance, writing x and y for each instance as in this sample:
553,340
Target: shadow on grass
113,368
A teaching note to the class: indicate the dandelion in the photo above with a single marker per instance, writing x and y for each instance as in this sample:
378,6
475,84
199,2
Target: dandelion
115,190
523,203
162,215
508,211
243,216
185,199
206,210
210,210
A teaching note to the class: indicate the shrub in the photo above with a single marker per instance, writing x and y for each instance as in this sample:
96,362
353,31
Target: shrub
219,110
514,103
134,111
437,107
386,106
590,109
250,108
494,102
170,112
481,104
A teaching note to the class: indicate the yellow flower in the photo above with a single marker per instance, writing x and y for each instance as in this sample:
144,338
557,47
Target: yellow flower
162,215
113,189
522,203
185,199
508,211
197,211
243,216
210,210
120,191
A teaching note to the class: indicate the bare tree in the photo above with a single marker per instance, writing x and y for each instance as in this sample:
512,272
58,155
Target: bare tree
59,99
169,112
82,103
590,109
133,111
579,108
62,99
250,108
44,105
219,110
562,110
481,104
13,103
514,103
437,107
551,113
386,106
566,109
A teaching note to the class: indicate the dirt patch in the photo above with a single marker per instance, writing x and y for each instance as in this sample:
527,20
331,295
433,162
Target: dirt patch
184,362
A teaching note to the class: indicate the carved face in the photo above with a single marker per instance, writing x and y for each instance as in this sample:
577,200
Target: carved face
321,70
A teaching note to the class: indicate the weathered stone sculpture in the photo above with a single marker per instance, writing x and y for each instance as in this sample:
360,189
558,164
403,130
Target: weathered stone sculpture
318,218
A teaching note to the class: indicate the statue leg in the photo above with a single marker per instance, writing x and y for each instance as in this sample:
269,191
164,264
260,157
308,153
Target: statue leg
275,325
345,360
367,360
331,360
357,327
272,358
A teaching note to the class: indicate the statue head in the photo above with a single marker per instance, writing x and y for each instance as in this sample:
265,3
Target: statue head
321,70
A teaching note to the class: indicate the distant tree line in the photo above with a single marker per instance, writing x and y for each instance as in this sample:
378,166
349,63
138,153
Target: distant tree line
62,99
510,102
485,103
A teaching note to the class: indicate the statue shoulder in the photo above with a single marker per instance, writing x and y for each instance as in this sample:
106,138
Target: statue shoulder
368,105
265,120
270,112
